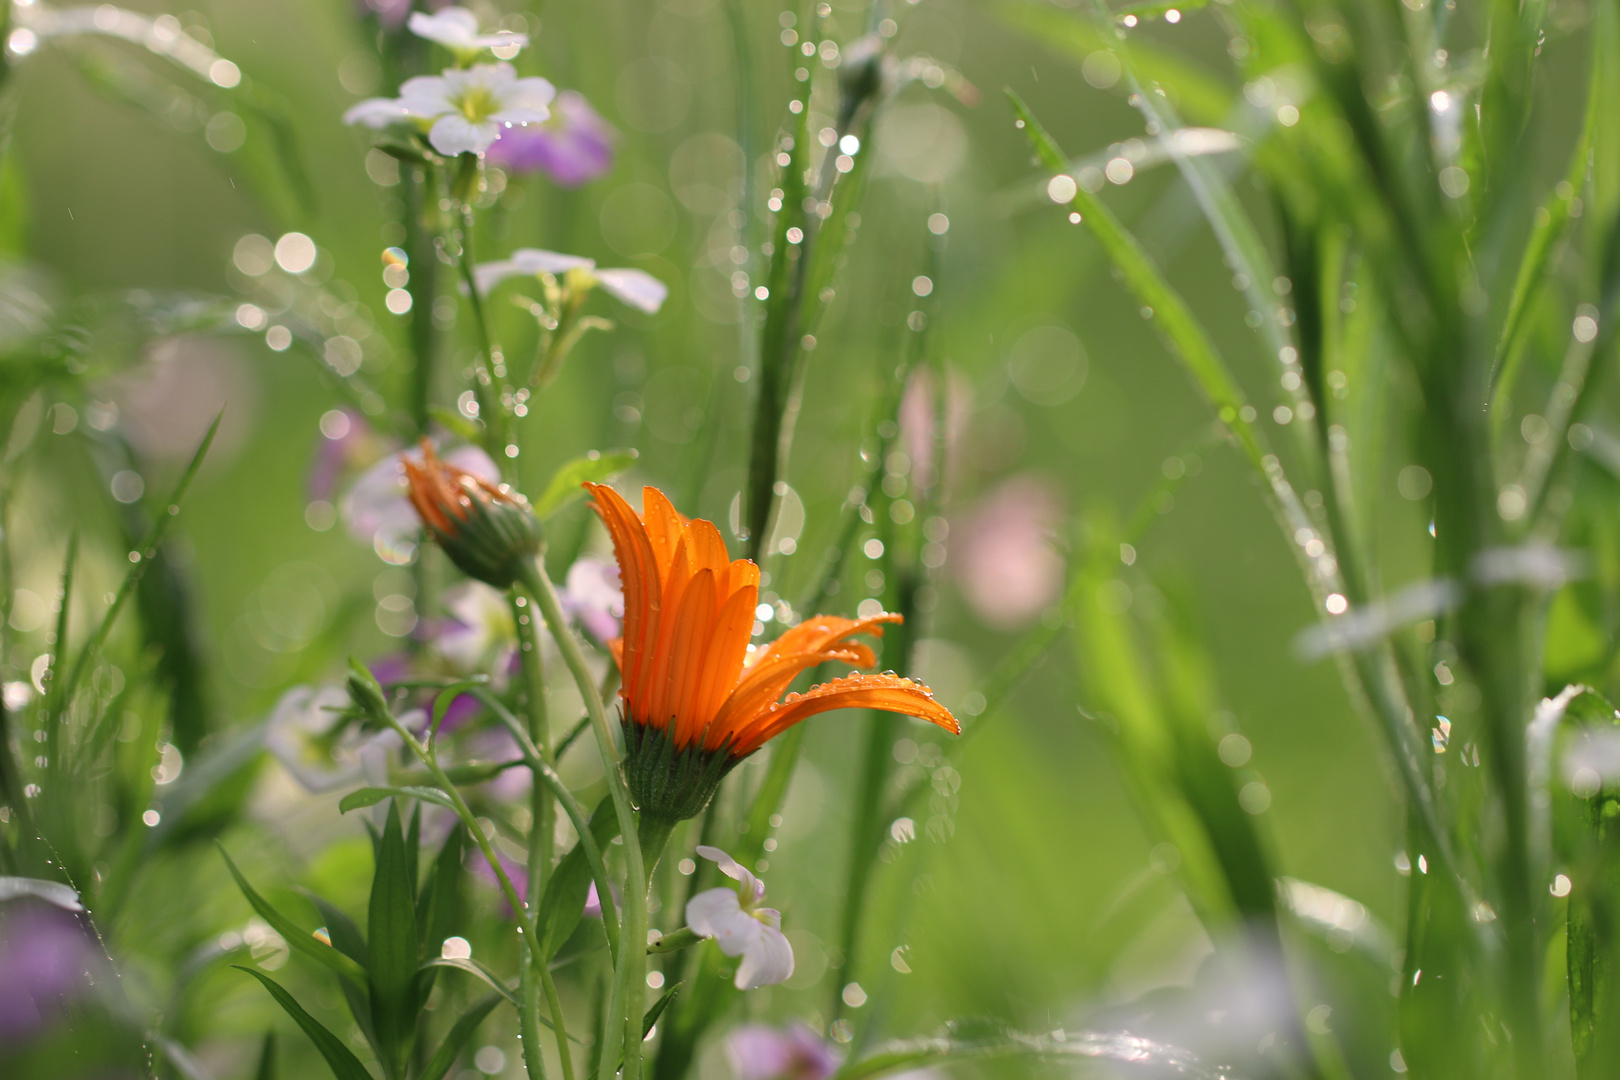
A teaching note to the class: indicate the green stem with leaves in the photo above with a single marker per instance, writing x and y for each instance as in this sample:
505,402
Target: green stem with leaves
630,972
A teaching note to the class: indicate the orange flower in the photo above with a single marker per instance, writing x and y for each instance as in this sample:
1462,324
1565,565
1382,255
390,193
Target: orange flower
488,532
688,675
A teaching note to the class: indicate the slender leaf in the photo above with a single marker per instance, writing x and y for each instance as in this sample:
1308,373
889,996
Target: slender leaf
339,1058
266,1069
567,483
345,935
371,796
477,969
393,944
563,904
459,1035
1124,1047
298,939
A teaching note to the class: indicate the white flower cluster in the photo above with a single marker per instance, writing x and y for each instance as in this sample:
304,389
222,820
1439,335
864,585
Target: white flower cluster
464,109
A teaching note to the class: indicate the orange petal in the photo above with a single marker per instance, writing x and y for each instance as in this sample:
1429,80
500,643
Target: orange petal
651,703
888,693
664,525
639,577
678,673
728,646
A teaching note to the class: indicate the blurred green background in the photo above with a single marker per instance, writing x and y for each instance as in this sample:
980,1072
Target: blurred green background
1008,918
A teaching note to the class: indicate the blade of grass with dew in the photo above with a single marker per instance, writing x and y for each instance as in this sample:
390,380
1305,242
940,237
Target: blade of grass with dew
1197,353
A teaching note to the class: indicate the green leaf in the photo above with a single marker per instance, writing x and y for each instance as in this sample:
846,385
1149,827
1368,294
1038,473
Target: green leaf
1156,9
339,1058
371,796
567,482
917,1054
457,1038
297,938
345,935
474,968
563,904
392,944
439,908
653,1013
267,1058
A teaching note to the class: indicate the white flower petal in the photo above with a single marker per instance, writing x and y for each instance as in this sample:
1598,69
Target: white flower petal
533,91
519,115
454,134
637,288
377,502
376,112
537,261
303,714
488,275
767,961
716,914
451,26
426,97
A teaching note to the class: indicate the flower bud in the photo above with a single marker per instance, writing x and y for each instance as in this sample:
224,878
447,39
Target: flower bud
489,532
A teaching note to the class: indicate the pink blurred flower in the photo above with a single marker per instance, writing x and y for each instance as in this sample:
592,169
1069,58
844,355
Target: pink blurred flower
593,598
347,442
573,147
377,511
920,424
1002,552
761,1052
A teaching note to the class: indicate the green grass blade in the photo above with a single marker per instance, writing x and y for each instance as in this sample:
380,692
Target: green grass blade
139,560
459,1035
477,970
298,939
339,1058
371,796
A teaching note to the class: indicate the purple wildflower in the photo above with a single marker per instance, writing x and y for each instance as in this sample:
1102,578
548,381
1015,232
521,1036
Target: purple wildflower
573,147
761,1052
47,960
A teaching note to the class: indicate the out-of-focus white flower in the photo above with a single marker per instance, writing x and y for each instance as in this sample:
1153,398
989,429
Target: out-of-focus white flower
637,288
378,512
299,735
480,635
456,29
377,113
468,108
740,926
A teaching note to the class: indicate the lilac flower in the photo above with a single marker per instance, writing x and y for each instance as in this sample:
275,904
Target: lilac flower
47,960
378,512
299,735
393,13
740,926
1002,552
573,147
456,29
637,288
593,598
467,109
794,1052
351,442
480,634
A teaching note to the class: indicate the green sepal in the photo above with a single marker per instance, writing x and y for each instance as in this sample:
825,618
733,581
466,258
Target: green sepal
670,783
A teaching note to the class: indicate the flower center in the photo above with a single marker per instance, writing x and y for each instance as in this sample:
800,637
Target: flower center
478,103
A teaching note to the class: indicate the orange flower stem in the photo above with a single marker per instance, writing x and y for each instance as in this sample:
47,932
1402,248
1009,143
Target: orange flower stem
630,973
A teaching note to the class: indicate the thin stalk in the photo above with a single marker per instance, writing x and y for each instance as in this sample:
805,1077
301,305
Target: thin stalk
541,830
630,973
422,263
490,410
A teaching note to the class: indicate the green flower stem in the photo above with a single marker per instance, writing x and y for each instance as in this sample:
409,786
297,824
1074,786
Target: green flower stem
379,711
630,973
533,976
490,411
